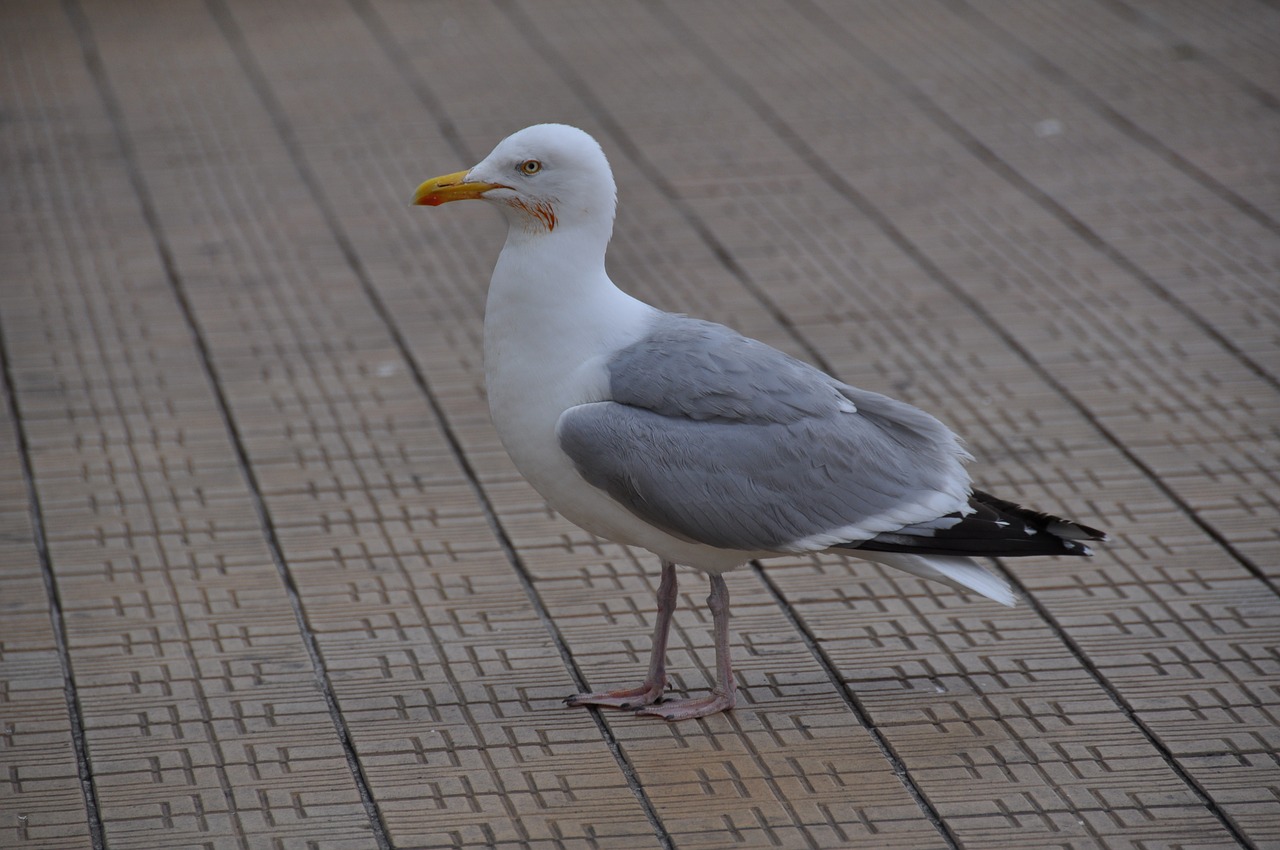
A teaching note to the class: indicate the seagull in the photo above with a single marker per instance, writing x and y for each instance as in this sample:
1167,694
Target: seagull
698,444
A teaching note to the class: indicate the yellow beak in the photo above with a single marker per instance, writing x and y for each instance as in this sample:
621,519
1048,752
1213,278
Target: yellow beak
451,187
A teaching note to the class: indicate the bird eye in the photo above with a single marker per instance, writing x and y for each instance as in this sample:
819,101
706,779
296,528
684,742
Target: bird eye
530,166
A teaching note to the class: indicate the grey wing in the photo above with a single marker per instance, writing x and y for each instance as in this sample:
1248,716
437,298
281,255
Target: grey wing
730,443
703,371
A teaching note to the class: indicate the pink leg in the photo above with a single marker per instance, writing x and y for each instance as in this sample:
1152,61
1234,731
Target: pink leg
721,697
656,682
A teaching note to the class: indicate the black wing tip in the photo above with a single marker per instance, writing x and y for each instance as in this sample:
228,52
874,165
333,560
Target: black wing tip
1067,532
995,528
1069,529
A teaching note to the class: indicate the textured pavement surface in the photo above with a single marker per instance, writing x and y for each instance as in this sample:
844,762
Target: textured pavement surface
269,580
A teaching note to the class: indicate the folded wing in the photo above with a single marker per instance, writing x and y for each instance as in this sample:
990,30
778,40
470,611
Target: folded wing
723,440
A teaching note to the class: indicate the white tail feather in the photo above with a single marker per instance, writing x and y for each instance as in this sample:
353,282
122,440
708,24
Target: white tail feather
961,573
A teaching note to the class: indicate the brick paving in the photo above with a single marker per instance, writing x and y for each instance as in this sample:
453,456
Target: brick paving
270,581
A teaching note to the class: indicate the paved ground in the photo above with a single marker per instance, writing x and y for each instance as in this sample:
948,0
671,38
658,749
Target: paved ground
270,582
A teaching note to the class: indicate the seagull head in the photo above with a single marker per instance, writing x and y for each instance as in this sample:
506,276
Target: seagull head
547,178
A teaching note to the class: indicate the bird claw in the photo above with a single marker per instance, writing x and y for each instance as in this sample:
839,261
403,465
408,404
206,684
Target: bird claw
626,699
687,709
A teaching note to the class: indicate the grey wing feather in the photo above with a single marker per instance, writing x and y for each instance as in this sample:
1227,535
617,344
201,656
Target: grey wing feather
703,371
728,442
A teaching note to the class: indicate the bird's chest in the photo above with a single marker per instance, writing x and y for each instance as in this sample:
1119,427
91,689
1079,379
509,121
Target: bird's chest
532,377
548,343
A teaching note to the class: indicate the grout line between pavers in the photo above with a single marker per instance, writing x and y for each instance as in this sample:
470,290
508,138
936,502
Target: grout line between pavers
1140,18
70,692
1053,72
129,156
854,704
1038,62
815,160
1130,713
263,90
1042,64
97,72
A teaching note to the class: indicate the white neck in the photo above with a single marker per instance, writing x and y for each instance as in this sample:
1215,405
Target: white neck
552,309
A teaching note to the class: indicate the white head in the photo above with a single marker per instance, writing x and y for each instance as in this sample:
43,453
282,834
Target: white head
549,178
